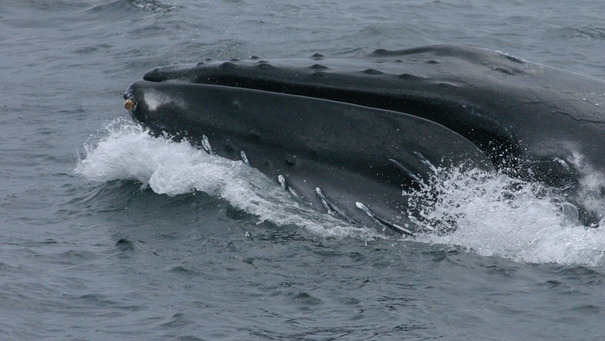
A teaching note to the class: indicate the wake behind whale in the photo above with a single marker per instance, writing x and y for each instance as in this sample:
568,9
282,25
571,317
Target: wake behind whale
354,137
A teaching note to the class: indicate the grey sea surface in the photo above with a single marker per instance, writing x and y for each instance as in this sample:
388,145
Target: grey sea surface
109,234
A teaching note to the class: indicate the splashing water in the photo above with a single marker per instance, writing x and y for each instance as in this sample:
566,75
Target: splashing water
490,214
495,215
173,168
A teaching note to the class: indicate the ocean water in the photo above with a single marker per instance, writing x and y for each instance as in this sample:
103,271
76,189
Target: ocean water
109,233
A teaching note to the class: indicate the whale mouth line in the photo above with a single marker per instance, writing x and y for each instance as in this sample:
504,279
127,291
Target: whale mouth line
413,90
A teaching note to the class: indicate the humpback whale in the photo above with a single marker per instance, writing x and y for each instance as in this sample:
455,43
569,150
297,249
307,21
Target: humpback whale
349,135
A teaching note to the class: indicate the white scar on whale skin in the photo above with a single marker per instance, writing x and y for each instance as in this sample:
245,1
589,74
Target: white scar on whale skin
154,99
244,157
324,201
386,223
282,181
206,144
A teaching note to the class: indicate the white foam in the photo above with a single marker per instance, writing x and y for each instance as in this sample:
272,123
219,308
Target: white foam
494,214
167,167
592,185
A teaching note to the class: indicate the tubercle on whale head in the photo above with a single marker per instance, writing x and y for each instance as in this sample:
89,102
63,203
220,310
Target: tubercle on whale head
131,104
129,101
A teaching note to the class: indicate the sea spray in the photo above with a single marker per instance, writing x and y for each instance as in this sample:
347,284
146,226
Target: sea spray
128,152
493,214
490,214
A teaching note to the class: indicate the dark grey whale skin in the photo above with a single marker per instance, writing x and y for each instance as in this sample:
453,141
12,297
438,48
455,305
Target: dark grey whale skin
529,120
332,155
